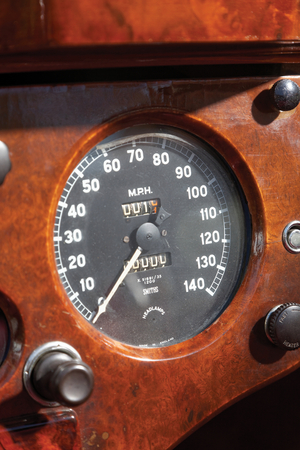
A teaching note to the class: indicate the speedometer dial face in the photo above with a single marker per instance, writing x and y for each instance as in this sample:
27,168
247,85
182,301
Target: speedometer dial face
150,236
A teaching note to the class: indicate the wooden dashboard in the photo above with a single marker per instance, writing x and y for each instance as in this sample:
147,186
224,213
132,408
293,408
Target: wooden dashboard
143,398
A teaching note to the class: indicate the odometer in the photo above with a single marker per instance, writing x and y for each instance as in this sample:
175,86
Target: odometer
150,236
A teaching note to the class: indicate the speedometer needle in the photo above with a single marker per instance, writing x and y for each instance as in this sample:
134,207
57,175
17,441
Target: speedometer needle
147,236
103,305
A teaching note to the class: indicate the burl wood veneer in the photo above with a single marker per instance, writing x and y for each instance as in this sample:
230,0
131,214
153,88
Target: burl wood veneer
50,34
145,398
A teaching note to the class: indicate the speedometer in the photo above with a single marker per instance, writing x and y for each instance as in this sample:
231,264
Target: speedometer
150,236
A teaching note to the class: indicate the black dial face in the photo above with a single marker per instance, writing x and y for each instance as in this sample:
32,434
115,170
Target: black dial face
150,236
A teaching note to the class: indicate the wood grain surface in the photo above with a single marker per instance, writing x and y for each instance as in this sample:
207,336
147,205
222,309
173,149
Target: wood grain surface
145,398
37,23
77,22
47,34
47,430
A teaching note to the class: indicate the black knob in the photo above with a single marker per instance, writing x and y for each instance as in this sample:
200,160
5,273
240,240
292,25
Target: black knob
58,377
282,326
285,95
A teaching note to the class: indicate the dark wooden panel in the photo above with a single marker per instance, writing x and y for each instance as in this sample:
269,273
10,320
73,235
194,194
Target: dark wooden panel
22,26
142,55
267,419
146,398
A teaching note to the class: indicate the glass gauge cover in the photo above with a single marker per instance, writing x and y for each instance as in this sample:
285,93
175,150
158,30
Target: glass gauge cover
151,236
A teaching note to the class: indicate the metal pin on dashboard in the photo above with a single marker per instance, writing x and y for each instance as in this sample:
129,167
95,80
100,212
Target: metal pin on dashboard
291,237
5,163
